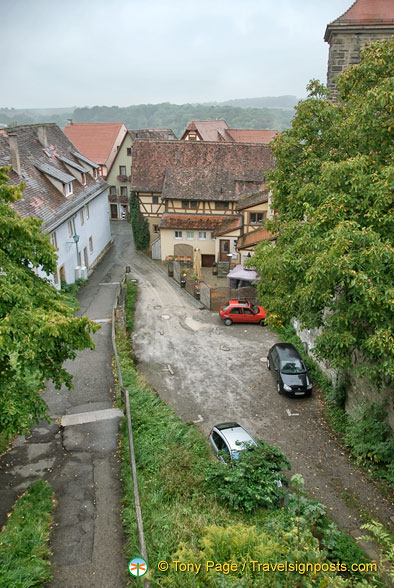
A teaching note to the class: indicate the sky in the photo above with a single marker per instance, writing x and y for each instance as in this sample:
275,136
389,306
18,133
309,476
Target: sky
60,53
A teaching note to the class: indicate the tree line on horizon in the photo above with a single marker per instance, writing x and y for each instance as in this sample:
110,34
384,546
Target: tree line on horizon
165,115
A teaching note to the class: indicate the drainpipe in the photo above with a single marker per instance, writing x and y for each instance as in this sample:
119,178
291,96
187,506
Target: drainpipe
76,239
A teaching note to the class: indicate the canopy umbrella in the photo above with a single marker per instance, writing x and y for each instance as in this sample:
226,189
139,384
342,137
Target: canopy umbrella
197,264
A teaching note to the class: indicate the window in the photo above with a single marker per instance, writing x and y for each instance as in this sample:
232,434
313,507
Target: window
87,211
82,217
68,188
94,172
123,190
128,150
178,234
155,228
185,203
70,229
212,236
112,190
54,240
122,170
202,235
193,204
255,218
91,244
222,205
155,200
190,235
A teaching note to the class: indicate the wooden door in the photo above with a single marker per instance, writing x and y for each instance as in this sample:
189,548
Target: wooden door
224,249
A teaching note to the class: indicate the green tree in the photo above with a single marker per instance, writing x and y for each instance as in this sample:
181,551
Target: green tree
139,224
38,331
332,266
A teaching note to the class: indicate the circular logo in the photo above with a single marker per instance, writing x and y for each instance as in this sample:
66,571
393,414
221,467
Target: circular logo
138,567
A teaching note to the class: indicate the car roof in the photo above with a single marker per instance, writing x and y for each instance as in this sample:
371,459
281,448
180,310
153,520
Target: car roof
233,432
286,350
242,302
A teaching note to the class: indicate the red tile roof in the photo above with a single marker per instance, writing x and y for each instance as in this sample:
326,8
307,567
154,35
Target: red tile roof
208,130
253,199
367,12
40,197
230,224
199,170
252,135
192,221
95,140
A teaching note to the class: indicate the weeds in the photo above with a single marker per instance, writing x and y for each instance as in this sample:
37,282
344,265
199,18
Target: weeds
24,552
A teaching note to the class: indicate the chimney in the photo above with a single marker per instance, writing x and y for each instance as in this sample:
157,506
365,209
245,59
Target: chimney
42,135
16,164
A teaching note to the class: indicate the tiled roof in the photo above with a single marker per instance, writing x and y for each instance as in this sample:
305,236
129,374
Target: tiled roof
73,164
85,159
153,134
191,221
251,135
58,174
367,12
95,140
253,199
228,225
40,198
208,130
199,170
251,239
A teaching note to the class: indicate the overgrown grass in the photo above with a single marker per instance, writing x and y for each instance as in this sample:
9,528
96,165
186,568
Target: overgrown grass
24,552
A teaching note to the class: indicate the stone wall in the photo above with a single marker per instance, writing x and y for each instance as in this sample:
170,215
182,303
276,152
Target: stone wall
345,50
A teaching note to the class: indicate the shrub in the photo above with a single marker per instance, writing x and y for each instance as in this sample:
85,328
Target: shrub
251,481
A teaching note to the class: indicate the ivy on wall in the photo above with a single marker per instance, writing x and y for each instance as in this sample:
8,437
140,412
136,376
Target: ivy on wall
139,224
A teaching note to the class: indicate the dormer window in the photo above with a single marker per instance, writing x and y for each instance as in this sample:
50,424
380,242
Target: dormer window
68,189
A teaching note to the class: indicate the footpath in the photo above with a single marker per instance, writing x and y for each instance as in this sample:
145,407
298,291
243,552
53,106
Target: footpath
76,452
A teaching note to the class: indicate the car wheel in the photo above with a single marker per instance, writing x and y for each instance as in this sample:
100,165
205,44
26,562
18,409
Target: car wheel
268,364
278,388
262,323
228,322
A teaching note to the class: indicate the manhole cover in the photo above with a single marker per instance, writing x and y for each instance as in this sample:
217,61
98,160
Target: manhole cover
165,316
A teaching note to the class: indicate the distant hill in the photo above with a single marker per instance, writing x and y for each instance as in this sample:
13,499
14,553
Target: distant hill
165,115
287,102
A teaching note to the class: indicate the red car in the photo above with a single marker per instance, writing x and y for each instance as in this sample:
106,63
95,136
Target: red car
242,311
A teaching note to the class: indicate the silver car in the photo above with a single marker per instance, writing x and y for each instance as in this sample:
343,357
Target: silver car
230,438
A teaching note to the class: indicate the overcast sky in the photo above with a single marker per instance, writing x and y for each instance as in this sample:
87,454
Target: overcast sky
120,52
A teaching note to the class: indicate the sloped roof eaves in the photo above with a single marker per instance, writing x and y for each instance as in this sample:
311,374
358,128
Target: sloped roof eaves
252,200
56,173
85,159
229,225
74,204
191,221
254,237
71,163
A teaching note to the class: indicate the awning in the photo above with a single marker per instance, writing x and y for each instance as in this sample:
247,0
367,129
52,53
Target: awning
241,273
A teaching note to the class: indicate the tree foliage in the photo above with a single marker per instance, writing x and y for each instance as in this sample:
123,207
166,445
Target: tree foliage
332,266
139,224
38,331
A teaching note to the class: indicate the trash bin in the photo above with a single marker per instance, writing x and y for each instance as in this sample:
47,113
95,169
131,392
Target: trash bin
214,269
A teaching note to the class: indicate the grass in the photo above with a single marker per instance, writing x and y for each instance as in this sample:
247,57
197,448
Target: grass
24,552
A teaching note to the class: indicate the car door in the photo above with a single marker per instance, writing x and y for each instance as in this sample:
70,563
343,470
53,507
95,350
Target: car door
236,314
250,316
219,444
276,364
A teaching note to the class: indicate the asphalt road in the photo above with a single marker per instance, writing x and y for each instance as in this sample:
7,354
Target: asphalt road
211,373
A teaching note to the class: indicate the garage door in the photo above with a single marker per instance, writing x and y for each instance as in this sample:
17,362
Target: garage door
207,260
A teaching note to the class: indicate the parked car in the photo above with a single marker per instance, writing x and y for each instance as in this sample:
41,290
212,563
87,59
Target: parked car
289,370
230,438
242,311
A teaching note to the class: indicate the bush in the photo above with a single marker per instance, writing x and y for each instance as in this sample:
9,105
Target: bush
251,481
370,436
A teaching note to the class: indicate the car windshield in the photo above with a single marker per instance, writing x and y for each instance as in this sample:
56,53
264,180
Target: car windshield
293,366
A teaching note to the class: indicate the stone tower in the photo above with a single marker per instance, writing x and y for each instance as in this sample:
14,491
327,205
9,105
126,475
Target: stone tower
363,22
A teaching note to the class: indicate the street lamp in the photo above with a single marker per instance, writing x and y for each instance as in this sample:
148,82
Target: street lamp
230,256
76,239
